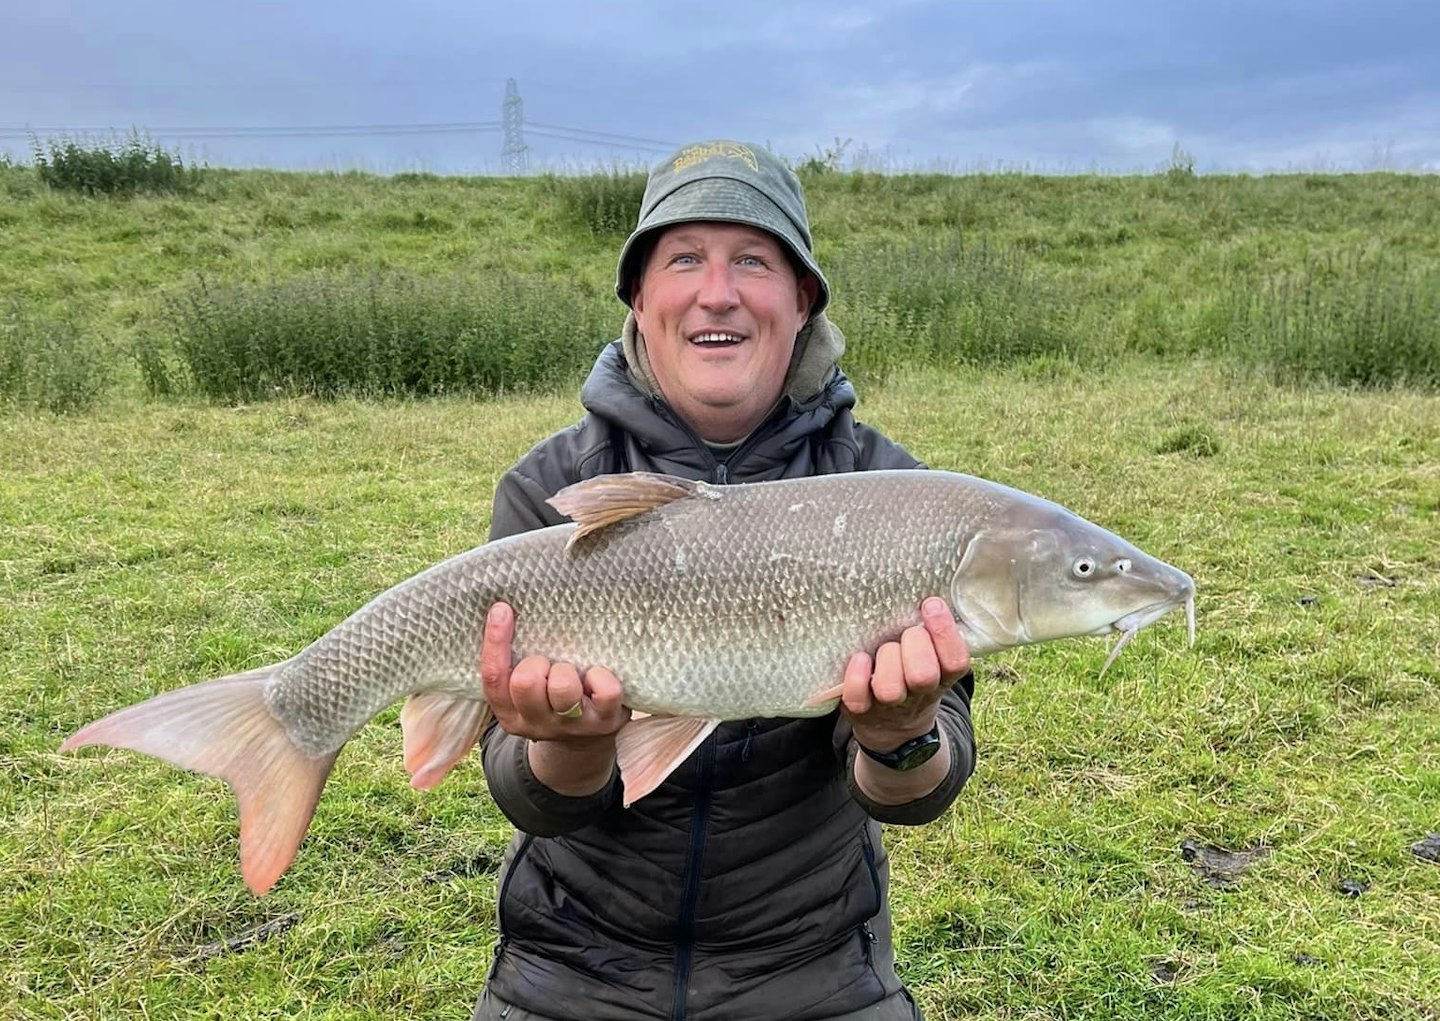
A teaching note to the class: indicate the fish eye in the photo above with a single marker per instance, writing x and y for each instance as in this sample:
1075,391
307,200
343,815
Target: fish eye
1123,565
1084,567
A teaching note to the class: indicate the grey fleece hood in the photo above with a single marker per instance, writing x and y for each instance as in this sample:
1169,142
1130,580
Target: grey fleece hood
818,347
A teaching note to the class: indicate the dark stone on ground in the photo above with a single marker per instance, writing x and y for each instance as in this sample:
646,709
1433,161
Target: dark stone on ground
244,941
1352,887
1219,867
1164,972
1428,849
1308,961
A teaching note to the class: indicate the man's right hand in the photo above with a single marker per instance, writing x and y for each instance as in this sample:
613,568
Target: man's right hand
571,750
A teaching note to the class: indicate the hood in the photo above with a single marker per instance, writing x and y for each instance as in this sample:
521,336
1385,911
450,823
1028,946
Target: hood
617,393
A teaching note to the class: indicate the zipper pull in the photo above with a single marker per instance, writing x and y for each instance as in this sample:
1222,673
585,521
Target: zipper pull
722,473
751,729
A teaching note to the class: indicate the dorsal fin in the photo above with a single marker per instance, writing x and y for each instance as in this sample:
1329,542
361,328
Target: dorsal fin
605,500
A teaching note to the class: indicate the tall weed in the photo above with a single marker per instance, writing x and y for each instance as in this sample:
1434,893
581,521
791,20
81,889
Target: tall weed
381,334
602,203
1354,321
113,167
945,303
48,363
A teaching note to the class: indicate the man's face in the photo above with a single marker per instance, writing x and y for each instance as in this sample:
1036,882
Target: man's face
719,306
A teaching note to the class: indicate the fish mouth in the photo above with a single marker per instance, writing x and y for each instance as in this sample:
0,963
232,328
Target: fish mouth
1147,615
1129,625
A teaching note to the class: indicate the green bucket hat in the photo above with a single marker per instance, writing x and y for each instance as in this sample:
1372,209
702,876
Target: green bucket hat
728,181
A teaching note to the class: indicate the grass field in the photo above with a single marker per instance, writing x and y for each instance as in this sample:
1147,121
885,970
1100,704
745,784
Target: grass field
146,545
1219,832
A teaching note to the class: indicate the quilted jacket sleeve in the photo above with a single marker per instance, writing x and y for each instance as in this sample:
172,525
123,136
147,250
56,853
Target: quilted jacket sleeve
953,717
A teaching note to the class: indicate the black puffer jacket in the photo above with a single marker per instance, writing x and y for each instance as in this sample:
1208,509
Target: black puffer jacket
752,884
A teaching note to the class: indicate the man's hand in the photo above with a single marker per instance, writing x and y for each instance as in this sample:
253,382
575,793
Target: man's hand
895,697
569,720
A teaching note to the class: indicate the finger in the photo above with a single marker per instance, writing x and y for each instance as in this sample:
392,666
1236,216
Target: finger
855,689
564,691
495,656
919,662
888,683
528,688
606,696
950,647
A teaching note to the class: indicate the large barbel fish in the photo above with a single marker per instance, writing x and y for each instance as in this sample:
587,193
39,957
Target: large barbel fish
708,602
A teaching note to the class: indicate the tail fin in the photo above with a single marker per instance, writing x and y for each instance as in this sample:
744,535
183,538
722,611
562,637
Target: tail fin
223,728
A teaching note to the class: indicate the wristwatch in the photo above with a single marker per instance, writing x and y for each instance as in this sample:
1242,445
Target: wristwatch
914,752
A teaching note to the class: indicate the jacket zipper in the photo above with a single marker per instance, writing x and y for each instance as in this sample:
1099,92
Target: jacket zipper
719,470
504,894
685,936
751,729
868,939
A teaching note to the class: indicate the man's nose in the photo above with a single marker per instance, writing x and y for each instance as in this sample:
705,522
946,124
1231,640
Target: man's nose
717,288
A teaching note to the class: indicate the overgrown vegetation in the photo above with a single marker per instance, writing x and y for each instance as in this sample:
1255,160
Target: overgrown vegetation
331,334
258,284
945,304
113,167
47,363
602,204
1353,321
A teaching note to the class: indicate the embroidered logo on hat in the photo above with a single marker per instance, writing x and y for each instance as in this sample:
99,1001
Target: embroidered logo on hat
693,154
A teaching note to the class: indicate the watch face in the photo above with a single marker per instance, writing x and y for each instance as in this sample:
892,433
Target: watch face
920,754
914,752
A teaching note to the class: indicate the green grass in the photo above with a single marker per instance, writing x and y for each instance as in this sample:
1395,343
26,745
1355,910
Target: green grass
148,545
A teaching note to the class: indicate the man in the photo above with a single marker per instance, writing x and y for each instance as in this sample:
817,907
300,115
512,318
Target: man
752,883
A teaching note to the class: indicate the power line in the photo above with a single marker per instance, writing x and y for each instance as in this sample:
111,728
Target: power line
661,143
273,131
591,141
513,125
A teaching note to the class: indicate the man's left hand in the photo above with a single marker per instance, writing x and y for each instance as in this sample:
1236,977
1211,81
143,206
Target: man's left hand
893,697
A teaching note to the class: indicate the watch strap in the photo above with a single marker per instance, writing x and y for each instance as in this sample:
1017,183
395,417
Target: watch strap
910,754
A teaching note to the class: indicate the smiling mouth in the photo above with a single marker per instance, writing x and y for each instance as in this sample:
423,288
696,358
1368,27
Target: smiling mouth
716,338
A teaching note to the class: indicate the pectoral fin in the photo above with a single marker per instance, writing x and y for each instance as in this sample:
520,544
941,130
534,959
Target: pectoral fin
648,749
829,694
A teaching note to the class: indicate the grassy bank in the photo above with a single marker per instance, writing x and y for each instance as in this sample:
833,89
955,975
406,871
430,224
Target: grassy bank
255,283
148,545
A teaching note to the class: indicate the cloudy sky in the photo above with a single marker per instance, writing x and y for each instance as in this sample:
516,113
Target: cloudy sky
1049,85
